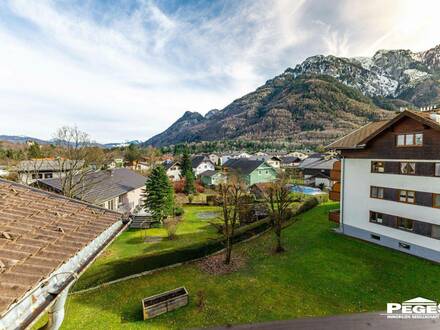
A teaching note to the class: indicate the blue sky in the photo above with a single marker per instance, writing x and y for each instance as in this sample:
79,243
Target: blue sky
123,70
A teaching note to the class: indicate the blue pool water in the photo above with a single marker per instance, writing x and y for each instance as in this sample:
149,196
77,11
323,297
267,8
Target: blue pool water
305,190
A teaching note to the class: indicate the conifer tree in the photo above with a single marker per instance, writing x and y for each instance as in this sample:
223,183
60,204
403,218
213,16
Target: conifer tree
159,194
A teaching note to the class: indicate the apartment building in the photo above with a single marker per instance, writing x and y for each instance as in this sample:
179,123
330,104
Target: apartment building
390,183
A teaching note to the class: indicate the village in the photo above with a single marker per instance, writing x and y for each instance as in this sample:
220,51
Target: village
130,219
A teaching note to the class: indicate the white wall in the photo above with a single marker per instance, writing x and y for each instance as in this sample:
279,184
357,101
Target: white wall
204,166
357,202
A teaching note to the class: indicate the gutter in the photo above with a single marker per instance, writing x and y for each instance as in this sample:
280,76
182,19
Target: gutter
50,295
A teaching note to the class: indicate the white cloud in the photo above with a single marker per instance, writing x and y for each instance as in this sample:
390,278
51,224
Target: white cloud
128,74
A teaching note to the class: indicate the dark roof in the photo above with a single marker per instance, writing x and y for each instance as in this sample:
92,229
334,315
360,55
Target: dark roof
360,137
39,231
209,173
243,165
197,160
168,164
289,160
101,186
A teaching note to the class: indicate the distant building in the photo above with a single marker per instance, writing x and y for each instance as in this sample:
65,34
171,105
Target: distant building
290,161
29,171
316,170
390,183
4,171
173,169
201,163
212,178
250,170
118,189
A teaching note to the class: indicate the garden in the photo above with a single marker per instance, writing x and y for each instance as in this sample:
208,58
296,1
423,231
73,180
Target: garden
320,273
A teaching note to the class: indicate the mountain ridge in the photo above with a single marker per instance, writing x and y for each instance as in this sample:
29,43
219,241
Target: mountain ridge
321,98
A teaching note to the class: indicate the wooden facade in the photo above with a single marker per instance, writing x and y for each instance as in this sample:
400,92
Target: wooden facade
384,146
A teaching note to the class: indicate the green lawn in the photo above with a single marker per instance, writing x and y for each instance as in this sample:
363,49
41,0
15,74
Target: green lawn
132,244
322,273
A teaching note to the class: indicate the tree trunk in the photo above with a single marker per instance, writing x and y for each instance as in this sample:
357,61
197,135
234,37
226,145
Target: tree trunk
228,251
278,229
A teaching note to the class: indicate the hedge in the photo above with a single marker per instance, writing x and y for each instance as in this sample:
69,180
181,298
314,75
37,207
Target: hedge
127,267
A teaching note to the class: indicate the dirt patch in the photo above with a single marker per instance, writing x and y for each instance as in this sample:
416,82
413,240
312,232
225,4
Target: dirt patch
153,239
214,264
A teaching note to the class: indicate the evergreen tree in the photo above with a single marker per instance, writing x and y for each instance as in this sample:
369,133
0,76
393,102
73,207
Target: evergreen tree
159,194
186,162
189,182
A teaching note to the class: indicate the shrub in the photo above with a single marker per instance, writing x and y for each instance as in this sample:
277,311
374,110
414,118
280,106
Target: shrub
178,211
307,205
170,225
179,186
199,187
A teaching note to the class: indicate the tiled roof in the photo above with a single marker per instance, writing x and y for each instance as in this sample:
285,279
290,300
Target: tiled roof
39,231
98,187
197,160
48,165
323,163
358,138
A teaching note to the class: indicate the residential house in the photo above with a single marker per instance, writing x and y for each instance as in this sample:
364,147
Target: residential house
46,242
316,169
290,161
300,155
29,171
173,169
390,183
250,170
212,178
200,164
215,159
118,189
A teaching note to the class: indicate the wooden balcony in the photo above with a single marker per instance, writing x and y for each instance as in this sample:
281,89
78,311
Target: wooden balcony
334,216
334,196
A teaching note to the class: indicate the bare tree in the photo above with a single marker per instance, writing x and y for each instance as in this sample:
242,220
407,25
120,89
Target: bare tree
76,160
231,194
279,199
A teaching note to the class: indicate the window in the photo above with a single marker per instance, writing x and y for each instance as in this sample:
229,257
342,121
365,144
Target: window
436,200
376,192
111,204
407,168
377,167
376,237
404,245
407,196
408,140
376,217
405,224
435,232
48,176
437,169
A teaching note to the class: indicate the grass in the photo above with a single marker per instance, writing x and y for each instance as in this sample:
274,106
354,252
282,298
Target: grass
321,273
131,244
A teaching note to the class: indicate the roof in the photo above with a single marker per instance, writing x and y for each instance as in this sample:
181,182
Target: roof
168,164
48,165
322,163
101,186
360,137
289,159
209,173
243,165
39,231
197,160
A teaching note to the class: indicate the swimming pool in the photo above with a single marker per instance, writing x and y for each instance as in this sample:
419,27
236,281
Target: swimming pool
306,190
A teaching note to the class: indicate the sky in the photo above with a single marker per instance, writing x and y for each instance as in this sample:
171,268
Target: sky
127,69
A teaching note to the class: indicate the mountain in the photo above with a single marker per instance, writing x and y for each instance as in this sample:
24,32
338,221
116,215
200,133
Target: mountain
21,139
319,100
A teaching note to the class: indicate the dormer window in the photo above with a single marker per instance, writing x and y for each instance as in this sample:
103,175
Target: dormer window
408,140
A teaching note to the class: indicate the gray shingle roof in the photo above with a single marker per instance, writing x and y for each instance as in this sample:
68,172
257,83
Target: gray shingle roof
197,160
102,186
48,165
244,166
317,163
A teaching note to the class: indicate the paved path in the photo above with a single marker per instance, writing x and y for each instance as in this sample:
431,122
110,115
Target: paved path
362,321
